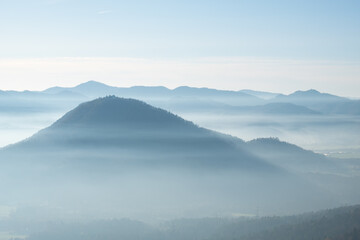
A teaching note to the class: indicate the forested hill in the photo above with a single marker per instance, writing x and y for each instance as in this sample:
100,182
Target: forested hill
132,125
333,224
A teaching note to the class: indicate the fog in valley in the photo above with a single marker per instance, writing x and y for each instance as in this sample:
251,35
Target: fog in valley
179,120
178,164
332,135
311,126
18,126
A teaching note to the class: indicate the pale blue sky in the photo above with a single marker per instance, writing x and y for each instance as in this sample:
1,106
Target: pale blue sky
301,30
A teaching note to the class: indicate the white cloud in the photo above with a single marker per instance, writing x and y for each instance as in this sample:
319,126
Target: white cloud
278,75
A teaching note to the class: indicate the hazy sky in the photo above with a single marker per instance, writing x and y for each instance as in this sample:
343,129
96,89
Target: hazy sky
266,45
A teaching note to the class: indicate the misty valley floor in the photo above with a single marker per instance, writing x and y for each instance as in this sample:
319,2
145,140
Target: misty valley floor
139,120
337,224
113,165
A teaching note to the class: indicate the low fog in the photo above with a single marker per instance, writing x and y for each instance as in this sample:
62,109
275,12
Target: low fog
332,135
320,133
113,165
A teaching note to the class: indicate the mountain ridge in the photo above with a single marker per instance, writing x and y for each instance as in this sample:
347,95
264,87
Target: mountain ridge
111,142
120,123
185,97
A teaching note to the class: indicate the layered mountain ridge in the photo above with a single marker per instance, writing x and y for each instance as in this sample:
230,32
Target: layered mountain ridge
127,124
116,150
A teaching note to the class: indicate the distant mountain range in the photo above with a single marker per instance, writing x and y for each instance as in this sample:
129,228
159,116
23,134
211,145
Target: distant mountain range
96,89
102,148
323,102
260,94
107,145
184,98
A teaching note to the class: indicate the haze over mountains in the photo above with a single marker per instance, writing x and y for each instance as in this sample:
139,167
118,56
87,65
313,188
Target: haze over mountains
116,157
128,124
118,141
121,141
338,224
303,118
311,99
200,153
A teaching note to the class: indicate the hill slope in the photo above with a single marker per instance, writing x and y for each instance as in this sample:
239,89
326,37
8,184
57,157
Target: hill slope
119,124
119,152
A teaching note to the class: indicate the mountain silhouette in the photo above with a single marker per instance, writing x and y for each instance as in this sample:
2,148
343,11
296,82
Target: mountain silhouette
292,157
121,112
214,93
118,151
96,89
260,94
277,108
321,102
117,124
311,95
89,88
181,100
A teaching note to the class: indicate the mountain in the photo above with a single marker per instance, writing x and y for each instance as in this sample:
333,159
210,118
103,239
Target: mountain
145,132
210,99
197,106
185,99
233,112
90,89
113,122
229,97
322,102
277,109
328,173
119,151
260,94
311,96
97,89
343,107
292,157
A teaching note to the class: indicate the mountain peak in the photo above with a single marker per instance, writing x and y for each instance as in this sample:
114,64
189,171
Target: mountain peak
92,83
113,111
310,92
313,94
